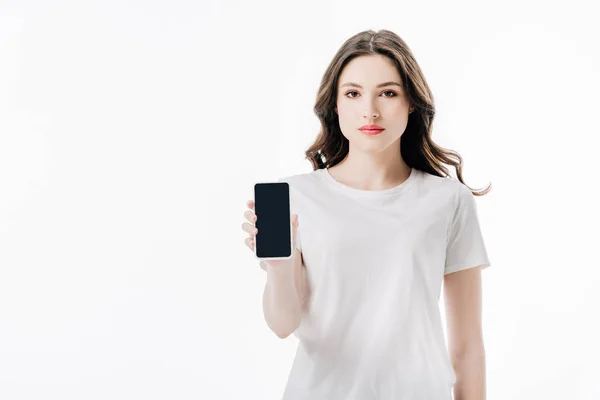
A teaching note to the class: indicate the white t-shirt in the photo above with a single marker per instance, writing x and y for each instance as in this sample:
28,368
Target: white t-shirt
375,262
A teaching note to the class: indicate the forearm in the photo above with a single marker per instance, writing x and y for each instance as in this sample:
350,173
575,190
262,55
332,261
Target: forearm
281,305
470,374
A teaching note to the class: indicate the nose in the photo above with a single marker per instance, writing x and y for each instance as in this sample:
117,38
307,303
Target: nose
370,112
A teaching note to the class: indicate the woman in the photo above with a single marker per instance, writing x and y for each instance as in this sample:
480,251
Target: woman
382,224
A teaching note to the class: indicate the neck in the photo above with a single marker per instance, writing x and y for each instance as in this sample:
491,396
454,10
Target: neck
372,171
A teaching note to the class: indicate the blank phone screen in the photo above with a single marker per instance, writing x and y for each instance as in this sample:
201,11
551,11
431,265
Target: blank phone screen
272,209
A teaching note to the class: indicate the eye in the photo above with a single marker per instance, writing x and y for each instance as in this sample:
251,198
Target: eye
387,91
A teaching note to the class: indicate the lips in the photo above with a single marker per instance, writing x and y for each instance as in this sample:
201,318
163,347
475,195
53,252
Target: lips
371,127
371,132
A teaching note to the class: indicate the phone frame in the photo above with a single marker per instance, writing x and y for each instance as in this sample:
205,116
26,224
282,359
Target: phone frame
291,231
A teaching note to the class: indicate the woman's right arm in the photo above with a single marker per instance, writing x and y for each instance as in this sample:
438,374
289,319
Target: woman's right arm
282,296
285,289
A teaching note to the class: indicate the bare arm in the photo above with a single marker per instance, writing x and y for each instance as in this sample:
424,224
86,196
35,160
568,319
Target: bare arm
462,292
283,296
284,293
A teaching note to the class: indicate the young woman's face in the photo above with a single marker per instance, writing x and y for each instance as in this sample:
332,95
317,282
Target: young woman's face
385,106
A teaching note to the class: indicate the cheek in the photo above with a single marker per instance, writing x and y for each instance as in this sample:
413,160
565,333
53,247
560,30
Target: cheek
346,113
343,107
396,108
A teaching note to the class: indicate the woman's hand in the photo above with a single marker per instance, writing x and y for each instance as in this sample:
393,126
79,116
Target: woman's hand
250,227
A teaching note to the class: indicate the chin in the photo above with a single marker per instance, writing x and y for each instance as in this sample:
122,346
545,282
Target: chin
375,144
373,147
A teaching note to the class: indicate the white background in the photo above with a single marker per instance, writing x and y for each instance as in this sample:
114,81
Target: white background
131,135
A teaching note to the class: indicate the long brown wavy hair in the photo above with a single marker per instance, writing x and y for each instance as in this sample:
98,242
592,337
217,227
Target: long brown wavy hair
416,146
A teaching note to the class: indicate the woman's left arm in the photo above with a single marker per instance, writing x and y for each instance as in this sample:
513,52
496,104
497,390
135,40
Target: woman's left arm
462,298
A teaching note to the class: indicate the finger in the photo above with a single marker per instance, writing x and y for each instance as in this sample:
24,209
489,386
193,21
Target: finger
263,266
249,228
250,243
250,204
250,216
294,228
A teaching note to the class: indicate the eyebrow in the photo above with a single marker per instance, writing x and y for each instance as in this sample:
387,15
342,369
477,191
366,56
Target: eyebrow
378,86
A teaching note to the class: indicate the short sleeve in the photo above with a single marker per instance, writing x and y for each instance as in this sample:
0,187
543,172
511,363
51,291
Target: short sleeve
465,247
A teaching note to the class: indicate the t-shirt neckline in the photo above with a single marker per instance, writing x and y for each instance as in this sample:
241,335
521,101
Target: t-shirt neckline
369,193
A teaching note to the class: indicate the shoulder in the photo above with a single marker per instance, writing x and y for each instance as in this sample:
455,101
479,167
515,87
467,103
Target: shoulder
302,181
447,192
304,189
445,187
458,195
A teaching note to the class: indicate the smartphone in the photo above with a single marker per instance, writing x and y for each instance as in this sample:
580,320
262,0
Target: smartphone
272,208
